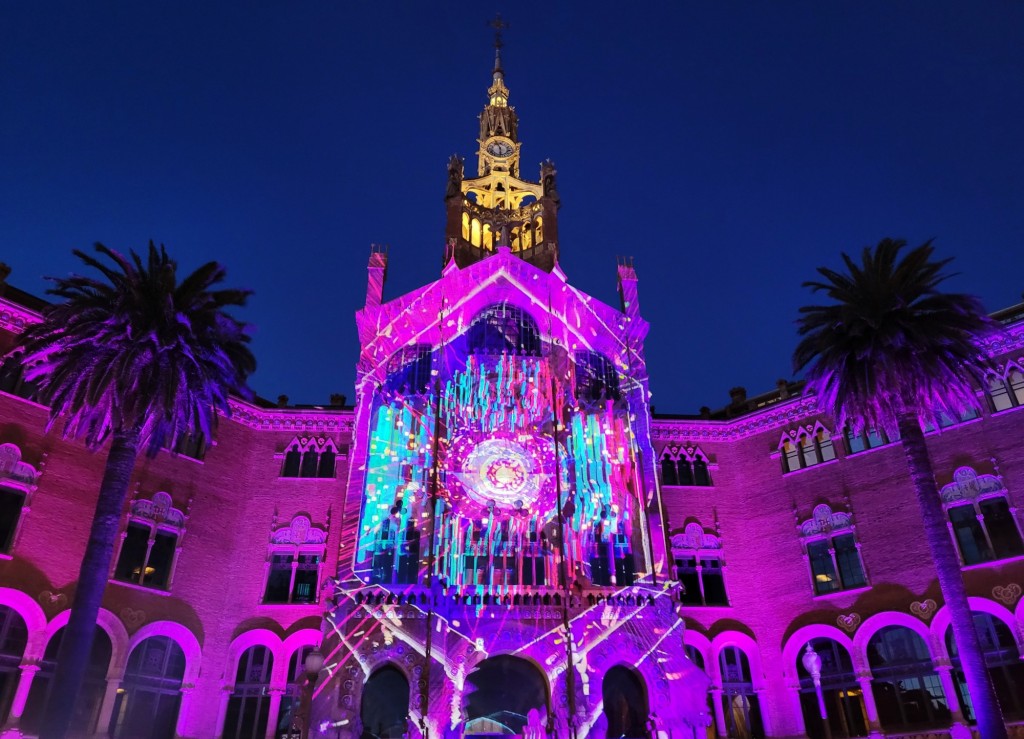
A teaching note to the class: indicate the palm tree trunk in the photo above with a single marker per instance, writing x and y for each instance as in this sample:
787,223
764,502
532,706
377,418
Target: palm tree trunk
951,584
75,646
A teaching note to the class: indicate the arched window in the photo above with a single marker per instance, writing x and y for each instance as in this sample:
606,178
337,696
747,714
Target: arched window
806,447
385,704
87,707
13,638
409,370
249,705
984,525
625,703
310,457
504,329
292,693
539,229
832,551
596,377
295,560
147,705
839,688
12,379
17,483
907,689
699,567
488,237
1003,662
465,219
693,654
739,701
149,546
685,466
1007,391
474,231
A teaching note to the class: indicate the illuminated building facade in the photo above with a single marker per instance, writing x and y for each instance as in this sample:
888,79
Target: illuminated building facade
498,538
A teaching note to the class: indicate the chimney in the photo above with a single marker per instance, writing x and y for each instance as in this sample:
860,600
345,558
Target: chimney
738,395
338,399
783,386
282,401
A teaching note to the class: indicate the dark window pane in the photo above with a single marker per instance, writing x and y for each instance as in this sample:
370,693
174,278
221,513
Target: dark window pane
279,579
822,569
309,464
700,472
133,554
306,579
851,571
1001,528
714,582
326,464
969,535
161,558
292,460
11,502
685,472
668,472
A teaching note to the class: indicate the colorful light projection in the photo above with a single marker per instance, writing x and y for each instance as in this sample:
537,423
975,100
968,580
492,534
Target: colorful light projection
494,516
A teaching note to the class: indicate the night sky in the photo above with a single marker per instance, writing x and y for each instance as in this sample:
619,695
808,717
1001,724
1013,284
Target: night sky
729,147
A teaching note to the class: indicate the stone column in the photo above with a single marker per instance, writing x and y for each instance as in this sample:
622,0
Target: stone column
797,711
107,705
275,712
716,697
945,670
874,727
222,710
28,673
180,727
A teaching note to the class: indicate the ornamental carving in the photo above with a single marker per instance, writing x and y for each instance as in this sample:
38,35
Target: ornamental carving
1008,594
13,469
969,485
299,531
159,509
823,520
694,537
848,622
52,602
924,609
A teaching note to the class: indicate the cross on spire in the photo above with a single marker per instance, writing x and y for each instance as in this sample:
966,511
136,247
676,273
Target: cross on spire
498,25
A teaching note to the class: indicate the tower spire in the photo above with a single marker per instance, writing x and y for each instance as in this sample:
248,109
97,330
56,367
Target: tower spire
498,25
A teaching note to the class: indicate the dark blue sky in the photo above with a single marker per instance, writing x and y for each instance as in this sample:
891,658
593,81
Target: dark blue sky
730,147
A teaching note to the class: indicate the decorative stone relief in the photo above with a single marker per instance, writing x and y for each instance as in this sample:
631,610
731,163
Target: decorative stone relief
1008,594
823,520
133,618
52,602
694,537
14,470
924,609
848,622
160,509
969,485
299,531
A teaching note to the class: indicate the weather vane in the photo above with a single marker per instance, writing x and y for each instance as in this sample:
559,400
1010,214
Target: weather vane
498,25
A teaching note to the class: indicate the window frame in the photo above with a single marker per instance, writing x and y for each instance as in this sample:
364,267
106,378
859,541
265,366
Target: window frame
20,478
825,526
297,539
696,544
798,446
309,447
969,488
160,517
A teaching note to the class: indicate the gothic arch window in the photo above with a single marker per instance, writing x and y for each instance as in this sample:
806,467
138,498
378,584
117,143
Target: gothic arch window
150,543
806,446
249,705
17,483
295,563
474,232
832,551
13,639
906,687
504,329
538,227
740,702
384,706
1007,390
1002,659
624,699
685,466
465,219
90,697
840,690
596,377
699,567
310,457
867,438
293,691
983,523
146,706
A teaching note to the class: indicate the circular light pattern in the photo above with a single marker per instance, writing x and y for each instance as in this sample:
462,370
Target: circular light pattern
500,471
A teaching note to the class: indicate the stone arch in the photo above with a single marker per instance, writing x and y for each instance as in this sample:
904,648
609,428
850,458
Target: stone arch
942,621
879,621
35,621
699,642
393,711
750,649
632,690
184,639
794,646
245,640
489,699
110,624
279,676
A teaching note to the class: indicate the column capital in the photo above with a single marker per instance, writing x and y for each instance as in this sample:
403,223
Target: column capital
29,668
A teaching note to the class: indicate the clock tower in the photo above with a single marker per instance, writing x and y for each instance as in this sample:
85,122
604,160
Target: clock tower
497,208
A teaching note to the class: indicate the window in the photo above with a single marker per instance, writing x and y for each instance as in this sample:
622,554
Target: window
146,706
739,701
1003,662
249,705
150,543
504,329
840,691
12,379
294,564
907,689
868,438
806,447
191,445
685,466
596,378
611,557
832,551
94,685
984,526
292,694
17,483
946,420
409,370
699,567
1007,391
310,457
13,639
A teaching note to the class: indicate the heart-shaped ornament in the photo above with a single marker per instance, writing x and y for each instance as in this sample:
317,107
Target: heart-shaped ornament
52,601
849,622
133,618
924,609
1008,594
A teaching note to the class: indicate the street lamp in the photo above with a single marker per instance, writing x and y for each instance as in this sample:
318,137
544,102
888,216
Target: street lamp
303,715
812,663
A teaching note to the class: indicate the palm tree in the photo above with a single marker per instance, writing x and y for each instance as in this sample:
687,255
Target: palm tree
144,361
891,352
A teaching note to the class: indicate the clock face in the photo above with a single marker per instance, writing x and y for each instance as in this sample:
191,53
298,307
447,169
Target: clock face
499,149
